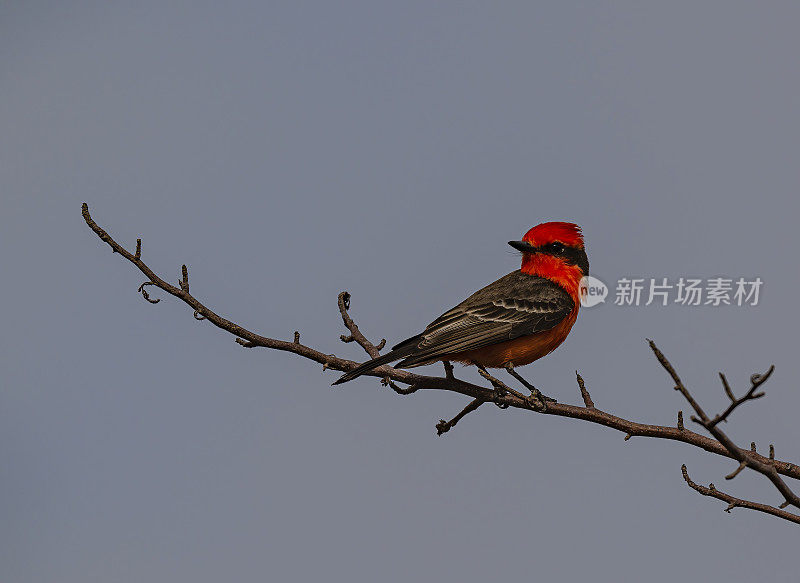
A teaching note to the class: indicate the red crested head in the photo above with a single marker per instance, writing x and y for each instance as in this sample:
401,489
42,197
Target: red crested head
555,251
567,233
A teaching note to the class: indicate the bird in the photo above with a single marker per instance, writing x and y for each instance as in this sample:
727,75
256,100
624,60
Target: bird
511,322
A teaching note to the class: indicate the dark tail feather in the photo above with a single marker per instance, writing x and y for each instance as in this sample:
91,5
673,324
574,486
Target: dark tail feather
402,350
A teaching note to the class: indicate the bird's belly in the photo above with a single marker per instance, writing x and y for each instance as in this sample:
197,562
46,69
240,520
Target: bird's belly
519,351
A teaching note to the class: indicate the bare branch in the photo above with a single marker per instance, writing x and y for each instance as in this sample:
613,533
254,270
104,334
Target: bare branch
184,280
735,472
587,399
499,393
144,293
734,502
726,387
757,381
245,337
387,382
678,383
444,426
750,458
355,333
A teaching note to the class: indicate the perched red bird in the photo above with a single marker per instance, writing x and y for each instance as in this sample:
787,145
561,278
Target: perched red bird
519,318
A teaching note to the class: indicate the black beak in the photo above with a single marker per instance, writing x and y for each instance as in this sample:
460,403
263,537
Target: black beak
523,246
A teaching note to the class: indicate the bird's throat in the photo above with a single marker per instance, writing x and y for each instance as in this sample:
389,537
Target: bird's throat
556,270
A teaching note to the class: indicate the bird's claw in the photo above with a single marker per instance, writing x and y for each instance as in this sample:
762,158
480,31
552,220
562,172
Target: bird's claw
537,404
541,396
539,401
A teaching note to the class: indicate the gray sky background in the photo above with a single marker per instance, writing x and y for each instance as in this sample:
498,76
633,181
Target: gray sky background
288,150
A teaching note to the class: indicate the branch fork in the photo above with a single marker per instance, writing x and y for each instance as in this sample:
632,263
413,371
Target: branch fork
747,459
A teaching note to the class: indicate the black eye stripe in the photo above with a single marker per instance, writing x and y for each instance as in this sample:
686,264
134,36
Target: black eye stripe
572,255
555,248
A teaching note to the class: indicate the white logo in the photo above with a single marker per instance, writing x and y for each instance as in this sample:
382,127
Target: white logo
592,291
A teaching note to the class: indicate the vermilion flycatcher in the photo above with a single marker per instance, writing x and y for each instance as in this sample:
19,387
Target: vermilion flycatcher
519,318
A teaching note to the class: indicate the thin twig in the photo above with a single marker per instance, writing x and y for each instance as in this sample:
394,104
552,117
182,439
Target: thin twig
387,382
144,293
444,426
184,280
734,502
726,387
735,472
587,399
749,396
355,334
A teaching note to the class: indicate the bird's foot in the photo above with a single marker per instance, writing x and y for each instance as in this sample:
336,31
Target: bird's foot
448,370
536,403
500,389
536,394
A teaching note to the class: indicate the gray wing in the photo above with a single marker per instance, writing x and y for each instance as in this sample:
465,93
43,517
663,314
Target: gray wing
515,305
